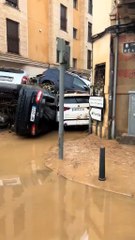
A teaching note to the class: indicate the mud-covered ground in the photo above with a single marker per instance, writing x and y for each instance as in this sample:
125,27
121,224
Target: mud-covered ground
38,204
81,163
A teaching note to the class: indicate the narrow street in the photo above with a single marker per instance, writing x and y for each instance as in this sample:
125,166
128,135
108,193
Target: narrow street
37,204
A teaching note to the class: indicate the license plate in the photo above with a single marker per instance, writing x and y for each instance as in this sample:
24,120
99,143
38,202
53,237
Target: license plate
33,114
77,109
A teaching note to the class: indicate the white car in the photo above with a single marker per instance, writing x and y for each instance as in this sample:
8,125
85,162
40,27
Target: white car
13,76
76,109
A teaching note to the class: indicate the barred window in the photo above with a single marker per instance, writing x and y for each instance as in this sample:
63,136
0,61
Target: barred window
100,74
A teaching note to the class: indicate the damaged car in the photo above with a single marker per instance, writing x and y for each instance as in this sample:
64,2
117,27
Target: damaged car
71,81
30,109
9,94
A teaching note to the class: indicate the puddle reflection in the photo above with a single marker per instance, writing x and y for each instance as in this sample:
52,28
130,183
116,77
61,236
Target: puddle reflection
36,204
63,210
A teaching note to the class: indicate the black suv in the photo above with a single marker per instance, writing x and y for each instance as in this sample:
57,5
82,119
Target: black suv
30,109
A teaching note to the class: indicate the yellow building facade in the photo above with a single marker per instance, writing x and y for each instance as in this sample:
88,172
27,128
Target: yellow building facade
49,20
38,25
101,58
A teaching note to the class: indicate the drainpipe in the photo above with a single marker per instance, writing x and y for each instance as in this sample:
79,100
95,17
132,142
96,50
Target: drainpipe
111,88
116,45
90,119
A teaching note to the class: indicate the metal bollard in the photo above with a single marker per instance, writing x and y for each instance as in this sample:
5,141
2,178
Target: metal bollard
102,165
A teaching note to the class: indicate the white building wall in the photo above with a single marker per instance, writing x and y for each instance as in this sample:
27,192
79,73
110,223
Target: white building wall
101,12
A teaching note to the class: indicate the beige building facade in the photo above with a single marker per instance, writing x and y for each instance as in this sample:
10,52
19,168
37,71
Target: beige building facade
13,32
18,14
30,29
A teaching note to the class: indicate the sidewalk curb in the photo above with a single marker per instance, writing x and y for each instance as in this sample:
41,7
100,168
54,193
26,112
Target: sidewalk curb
130,195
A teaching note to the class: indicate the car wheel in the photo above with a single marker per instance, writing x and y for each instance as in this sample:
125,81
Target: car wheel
23,111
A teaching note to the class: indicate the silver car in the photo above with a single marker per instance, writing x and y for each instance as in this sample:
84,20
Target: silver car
13,76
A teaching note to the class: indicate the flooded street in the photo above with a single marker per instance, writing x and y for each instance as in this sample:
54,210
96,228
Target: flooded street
37,204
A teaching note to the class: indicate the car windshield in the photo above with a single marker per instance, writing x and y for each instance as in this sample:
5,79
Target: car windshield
78,82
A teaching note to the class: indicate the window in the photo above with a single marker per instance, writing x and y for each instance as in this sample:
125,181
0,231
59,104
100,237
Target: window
82,99
74,63
89,31
12,36
13,3
67,43
74,33
57,56
79,83
90,7
63,18
89,59
75,3
100,74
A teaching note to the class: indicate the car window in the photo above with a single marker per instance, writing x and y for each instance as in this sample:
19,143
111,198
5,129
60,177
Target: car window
83,99
69,100
79,82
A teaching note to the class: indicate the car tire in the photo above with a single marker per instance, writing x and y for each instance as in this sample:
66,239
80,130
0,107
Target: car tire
23,111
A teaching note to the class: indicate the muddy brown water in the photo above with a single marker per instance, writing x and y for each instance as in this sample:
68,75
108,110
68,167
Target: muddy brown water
36,204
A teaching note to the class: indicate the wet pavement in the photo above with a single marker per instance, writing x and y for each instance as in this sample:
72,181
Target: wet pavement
81,164
38,204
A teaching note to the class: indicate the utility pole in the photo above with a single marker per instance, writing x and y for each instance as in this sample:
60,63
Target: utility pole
115,81
64,60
